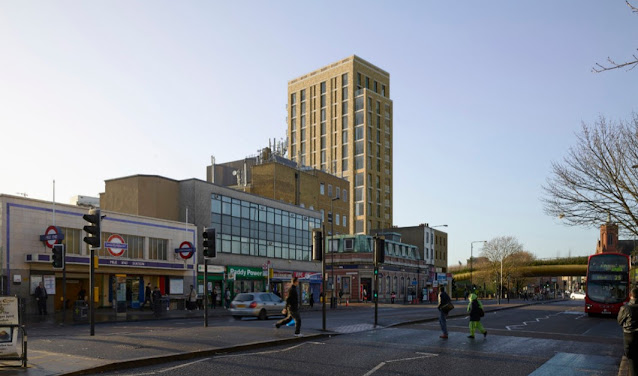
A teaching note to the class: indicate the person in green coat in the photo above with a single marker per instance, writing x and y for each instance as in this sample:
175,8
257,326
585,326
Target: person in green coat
475,309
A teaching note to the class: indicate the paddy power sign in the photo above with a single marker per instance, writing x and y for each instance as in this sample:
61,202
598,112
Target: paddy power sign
245,272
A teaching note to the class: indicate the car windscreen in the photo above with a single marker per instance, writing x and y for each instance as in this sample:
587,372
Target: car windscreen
244,298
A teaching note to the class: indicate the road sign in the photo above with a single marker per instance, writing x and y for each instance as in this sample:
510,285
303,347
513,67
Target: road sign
185,250
115,245
51,236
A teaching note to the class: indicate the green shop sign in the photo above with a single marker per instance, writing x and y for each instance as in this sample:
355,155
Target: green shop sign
244,272
213,277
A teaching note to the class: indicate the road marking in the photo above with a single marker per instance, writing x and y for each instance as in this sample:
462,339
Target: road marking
169,369
538,319
378,366
270,351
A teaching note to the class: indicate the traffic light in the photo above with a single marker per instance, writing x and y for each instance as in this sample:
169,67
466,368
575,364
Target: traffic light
317,245
379,249
57,259
210,248
376,271
94,229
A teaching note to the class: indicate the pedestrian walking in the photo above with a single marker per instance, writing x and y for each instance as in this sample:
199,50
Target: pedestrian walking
475,308
192,299
156,301
365,295
311,299
444,307
292,308
392,297
227,298
41,297
628,319
213,298
81,293
147,297
340,296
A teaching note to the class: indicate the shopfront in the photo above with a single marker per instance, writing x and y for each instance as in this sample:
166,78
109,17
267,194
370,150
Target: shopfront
215,288
245,279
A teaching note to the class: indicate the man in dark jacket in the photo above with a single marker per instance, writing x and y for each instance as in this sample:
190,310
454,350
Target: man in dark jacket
444,299
628,319
41,296
147,297
292,308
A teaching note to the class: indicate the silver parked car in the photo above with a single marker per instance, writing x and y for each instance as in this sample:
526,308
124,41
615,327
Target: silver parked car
256,304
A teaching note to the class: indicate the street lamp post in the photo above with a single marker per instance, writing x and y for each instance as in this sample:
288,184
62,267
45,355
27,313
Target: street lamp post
452,292
500,290
472,259
333,298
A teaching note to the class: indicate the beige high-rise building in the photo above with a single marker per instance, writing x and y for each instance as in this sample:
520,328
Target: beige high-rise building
340,121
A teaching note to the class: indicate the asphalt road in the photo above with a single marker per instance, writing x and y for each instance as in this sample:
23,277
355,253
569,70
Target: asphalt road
552,339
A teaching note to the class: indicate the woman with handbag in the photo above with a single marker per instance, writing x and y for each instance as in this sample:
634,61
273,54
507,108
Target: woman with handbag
475,308
445,306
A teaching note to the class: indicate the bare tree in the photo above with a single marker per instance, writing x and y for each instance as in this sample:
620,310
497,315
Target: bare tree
631,64
597,180
500,251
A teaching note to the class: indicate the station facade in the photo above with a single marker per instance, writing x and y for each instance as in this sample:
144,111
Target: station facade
145,253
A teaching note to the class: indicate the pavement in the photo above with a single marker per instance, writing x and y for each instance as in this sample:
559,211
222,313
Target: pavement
57,345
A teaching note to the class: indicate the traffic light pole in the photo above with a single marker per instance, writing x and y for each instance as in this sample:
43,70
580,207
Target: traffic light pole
375,293
64,292
206,292
323,283
91,291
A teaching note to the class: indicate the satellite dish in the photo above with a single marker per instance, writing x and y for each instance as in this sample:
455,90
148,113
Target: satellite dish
235,173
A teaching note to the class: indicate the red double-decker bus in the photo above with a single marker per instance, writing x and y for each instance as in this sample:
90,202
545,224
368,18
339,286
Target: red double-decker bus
607,283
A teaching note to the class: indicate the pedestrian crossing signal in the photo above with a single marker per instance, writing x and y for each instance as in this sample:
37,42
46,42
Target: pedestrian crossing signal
317,245
379,249
210,248
94,229
57,258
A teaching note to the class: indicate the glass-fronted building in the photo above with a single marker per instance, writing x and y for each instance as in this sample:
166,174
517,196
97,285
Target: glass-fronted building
249,228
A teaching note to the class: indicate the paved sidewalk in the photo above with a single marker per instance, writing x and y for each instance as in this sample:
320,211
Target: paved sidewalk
58,347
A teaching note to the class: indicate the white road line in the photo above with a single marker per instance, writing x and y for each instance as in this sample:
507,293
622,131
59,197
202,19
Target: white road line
538,319
375,369
270,351
182,365
378,367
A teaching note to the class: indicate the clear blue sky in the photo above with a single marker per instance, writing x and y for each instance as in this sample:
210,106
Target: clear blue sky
486,95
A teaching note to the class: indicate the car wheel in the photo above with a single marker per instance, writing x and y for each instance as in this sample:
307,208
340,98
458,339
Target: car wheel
237,317
263,315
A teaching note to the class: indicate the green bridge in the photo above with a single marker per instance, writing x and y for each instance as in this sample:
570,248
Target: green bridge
532,271
559,267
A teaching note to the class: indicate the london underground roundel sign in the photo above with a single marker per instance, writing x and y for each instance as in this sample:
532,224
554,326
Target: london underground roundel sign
51,236
185,250
115,245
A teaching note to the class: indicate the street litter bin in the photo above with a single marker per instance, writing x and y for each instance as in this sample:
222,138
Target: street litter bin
80,310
